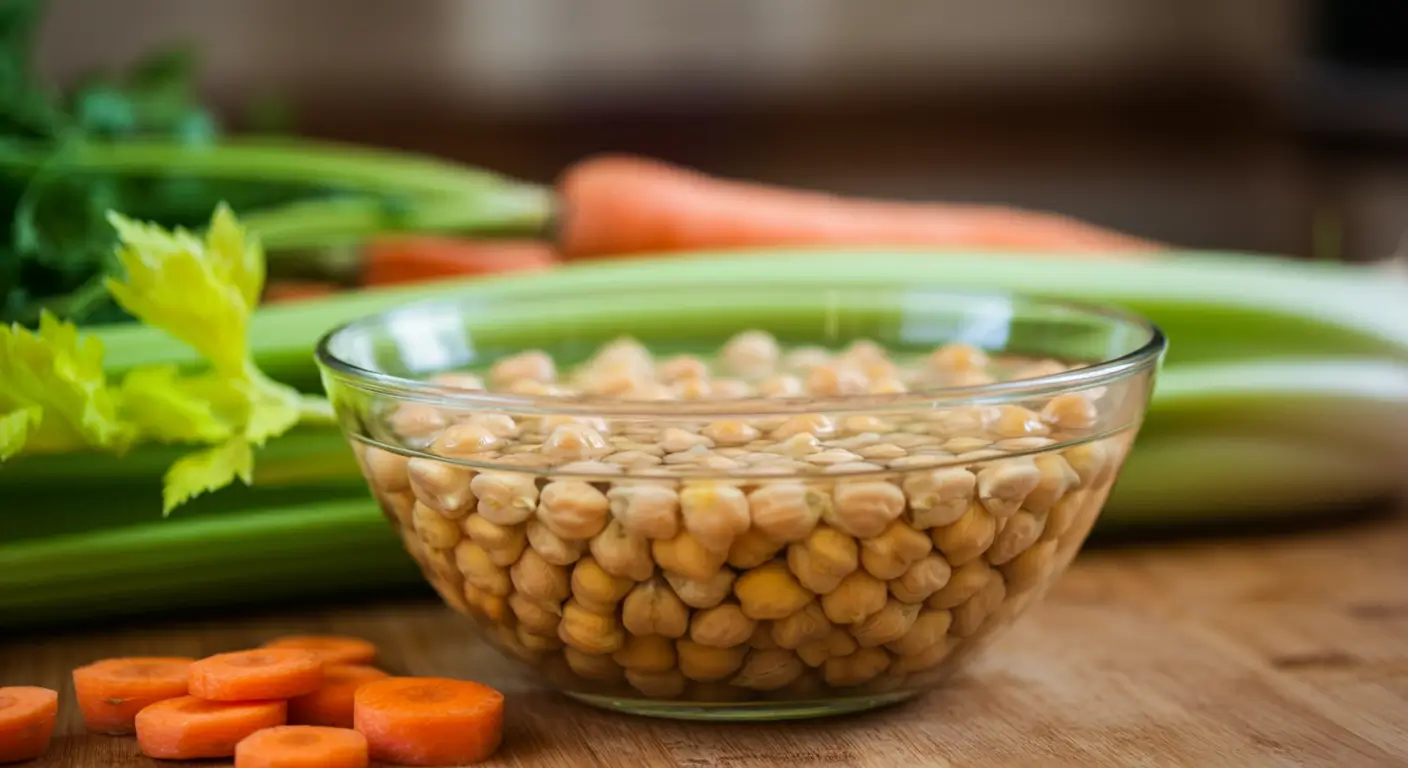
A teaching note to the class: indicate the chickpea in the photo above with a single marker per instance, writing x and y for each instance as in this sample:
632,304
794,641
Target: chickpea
965,582
781,386
538,643
928,658
589,632
465,440
752,549
1091,462
398,506
886,625
649,510
575,442
864,508
442,486
592,586
433,528
503,543
731,432
798,446
1004,485
922,579
770,592
1016,421
416,423
854,600
815,424
686,556
787,512
807,687
651,608
676,440
694,455
731,388
532,388
531,366
767,670
833,379
668,684
622,553
822,559
968,538
441,562
706,663
385,470
573,509
805,358
1057,478
538,618
855,669
505,498
479,569
702,594
882,452
1030,568
956,357
714,514
471,596
890,554
692,389
612,381
939,497
593,666
919,461
551,547
500,425
750,353
832,457
885,385
762,637
539,580
802,627
928,629
633,459
646,653
1070,411
681,367
969,617
1021,531
722,626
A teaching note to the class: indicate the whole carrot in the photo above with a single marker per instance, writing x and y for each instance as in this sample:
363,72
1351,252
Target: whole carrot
616,205
415,258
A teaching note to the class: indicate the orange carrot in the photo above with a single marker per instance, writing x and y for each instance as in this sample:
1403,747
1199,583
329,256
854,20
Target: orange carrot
429,720
393,260
279,291
334,649
190,729
619,205
111,692
27,717
331,704
302,746
266,673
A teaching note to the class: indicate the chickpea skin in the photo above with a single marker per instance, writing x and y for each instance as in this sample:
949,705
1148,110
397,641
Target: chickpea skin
854,600
652,608
505,498
715,514
968,538
788,511
770,592
551,547
939,497
707,664
651,510
646,653
752,549
573,509
722,626
855,669
864,508
686,556
538,580
702,594
922,579
589,632
890,554
503,543
768,670
622,553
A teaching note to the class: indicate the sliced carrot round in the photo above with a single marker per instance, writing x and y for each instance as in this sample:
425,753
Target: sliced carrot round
335,649
191,729
302,746
266,673
331,705
27,717
429,720
111,692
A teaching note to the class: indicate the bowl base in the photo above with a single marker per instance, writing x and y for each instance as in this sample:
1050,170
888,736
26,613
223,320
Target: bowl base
760,711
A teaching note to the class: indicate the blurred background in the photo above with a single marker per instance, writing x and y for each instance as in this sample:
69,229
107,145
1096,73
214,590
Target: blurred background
1261,125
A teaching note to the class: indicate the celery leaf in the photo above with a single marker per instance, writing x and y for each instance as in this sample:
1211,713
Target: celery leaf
207,470
15,427
172,409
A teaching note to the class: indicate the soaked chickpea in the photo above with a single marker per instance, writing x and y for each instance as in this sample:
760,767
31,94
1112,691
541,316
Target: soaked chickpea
441,486
770,592
646,653
705,663
538,643
478,569
1004,485
836,379
855,669
814,424
623,553
652,608
1091,463
702,594
553,548
505,498
922,579
886,625
416,423
939,497
890,554
787,512
1016,421
752,549
926,659
573,509
855,599
864,508
751,353
969,617
1021,531
781,386
537,579
465,440
593,666
802,627
686,556
649,510
715,514
722,626
928,629
768,670
967,538
731,432
1030,568
1073,410
503,543
433,528
965,582
385,470
589,632
575,442
527,366
761,638
538,618
1057,479
595,588
669,684
823,558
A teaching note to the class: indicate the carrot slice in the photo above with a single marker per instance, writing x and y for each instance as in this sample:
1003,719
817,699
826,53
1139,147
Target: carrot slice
302,746
335,649
429,720
111,692
266,673
189,728
27,717
331,704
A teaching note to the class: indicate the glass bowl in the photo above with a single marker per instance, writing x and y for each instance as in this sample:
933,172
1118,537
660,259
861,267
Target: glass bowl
685,532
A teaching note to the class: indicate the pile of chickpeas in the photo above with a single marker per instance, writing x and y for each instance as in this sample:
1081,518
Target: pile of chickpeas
802,556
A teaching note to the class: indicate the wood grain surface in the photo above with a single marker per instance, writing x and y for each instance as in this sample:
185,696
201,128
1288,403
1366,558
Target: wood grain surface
1286,649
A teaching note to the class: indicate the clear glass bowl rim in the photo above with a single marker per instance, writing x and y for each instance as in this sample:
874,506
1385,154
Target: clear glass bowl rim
1145,357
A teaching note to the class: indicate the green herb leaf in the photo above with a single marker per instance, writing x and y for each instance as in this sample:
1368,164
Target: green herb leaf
207,470
15,427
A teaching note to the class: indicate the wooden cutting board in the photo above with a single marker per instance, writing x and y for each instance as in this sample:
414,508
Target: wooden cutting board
1282,650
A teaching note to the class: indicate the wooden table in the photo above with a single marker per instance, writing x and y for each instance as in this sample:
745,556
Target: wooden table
1276,650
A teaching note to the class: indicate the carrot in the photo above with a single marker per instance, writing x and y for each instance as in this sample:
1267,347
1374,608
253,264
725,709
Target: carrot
27,717
266,673
188,728
302,746
616,205
334,649
279,291
111,692
398,259
331,704
429,720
